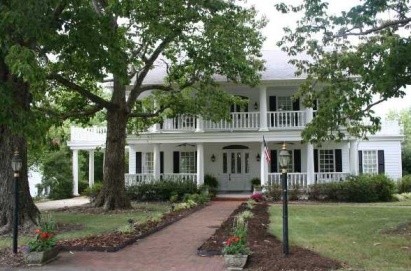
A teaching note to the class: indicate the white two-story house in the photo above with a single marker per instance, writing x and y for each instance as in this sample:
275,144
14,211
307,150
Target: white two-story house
233,150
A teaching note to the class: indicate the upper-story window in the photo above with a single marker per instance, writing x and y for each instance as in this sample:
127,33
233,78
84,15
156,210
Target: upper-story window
284,103
370,162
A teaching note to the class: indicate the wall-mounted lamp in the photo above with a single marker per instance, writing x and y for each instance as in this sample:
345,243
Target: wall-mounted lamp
213,158
258,157
256,106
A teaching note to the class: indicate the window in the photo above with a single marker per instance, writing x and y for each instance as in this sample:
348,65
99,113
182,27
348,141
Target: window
188,162
285,103
236,162
326,161
148,163
370,162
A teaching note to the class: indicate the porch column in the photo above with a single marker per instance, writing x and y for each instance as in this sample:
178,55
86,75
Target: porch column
354,157
132,159
199,124
263,167
200,164
75,173
310,164
309,114
90,168
263,108
156,158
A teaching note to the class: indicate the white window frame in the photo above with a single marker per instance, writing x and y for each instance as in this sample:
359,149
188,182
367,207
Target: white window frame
284,103
188,162
324,157
370,164
148,163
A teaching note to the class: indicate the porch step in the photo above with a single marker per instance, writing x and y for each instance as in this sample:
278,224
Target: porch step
232,197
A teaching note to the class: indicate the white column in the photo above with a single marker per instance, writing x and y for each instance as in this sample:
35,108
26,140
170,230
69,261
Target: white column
156,152
263,166
90,168
200,124
354,157
309,114
200,164
263,108
131,159
310,164
75,173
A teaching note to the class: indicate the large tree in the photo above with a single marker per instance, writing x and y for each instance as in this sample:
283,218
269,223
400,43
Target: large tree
353,61
404,117
123,41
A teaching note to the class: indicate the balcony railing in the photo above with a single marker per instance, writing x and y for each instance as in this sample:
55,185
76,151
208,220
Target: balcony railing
238,121
135,179
88,134
286,119
180,123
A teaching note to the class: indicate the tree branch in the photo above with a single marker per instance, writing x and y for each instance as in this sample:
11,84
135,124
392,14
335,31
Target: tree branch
92,97
146,115
75,113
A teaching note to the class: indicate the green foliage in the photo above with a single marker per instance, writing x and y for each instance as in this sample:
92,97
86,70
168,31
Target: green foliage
161,190
404,185
362,188
404,117
353,57
250,204
255,182
237,243
45,236
92,192
294,193
212,184
273,192
402,197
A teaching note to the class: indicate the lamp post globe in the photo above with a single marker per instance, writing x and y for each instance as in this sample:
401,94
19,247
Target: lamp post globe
16,164
284,162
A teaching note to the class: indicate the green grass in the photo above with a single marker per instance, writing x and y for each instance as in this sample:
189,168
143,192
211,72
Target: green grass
97,223
351,233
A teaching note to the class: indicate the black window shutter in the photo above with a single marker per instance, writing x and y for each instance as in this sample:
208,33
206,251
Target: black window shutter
296,105
161,162
139,164
176,162
297,160
273,103
381,162
360,162
315,160
338,160
315,105
273,165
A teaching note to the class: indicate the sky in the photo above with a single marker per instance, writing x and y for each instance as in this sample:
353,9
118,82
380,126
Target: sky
273,33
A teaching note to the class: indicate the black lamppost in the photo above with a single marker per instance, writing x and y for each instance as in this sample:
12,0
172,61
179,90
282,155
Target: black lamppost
284,161
16,164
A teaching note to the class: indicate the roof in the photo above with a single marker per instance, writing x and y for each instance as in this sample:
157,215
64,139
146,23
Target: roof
276,68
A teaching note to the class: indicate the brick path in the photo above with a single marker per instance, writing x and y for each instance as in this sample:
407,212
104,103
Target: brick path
171,249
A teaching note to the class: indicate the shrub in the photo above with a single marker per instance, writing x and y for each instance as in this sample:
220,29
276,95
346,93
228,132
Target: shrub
82,185
61,189
255,182
273,192
257,197
404,185
45,236
363,188
161,190
294,193
92,192
212,184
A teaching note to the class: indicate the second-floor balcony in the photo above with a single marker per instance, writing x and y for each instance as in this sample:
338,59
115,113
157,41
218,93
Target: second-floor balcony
238,121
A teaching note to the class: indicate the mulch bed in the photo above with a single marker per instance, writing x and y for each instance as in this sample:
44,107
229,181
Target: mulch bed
267,249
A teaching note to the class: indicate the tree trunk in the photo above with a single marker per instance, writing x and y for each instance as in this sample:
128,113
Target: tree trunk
10,141
113,195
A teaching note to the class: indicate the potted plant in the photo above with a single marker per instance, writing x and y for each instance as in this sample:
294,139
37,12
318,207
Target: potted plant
256,185
43,248
235,249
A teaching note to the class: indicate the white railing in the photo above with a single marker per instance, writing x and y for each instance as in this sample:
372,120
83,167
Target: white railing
180,123
326,177
88,134
238,121
286,119
135,179
294,179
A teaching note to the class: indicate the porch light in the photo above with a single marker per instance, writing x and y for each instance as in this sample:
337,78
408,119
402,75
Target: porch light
258,158
16,163
284,157
255,106
213,158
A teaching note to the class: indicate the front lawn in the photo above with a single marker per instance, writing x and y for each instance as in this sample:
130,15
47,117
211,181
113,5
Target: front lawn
82,222
367,236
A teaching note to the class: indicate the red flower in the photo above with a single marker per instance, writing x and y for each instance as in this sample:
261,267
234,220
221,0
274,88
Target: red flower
44,235
232,240
37,231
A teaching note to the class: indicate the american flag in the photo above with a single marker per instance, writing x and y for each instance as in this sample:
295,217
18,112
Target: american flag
267,153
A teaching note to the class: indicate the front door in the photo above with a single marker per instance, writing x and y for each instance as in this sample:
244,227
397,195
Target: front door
236,171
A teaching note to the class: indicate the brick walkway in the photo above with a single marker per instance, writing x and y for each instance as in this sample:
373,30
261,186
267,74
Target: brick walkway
171,249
